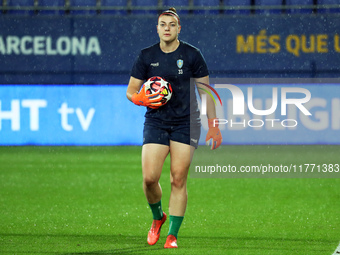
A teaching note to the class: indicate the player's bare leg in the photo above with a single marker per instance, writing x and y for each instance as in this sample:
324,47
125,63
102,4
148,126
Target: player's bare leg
153,157
181,156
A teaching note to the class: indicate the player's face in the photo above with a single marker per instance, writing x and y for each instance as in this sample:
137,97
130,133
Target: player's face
168,28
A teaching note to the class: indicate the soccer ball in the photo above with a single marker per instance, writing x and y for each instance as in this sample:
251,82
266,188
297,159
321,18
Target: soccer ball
155,84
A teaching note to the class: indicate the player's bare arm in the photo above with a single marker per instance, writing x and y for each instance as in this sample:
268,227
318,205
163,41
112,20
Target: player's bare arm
133,87
211,111
214,137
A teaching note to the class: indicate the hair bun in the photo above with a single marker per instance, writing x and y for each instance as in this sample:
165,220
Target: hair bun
173,9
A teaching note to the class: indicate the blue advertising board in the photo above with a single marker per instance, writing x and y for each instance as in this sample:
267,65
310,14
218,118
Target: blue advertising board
277,113
102,115
68,115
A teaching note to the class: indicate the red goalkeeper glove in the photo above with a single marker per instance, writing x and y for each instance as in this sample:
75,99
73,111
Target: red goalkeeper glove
214,137
141,98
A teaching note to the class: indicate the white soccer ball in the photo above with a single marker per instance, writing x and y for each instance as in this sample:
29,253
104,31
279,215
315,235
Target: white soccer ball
155,84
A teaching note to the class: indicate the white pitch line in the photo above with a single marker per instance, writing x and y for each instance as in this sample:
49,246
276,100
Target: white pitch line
337,250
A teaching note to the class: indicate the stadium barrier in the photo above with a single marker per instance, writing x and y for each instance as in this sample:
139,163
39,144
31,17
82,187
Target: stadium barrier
101,115
101,50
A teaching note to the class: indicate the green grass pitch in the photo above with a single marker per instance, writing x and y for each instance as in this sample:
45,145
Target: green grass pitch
89,200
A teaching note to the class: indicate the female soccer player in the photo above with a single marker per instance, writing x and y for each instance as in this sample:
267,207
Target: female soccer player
167,128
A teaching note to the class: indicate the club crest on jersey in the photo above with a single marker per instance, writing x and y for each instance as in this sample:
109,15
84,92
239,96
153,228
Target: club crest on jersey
179,63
